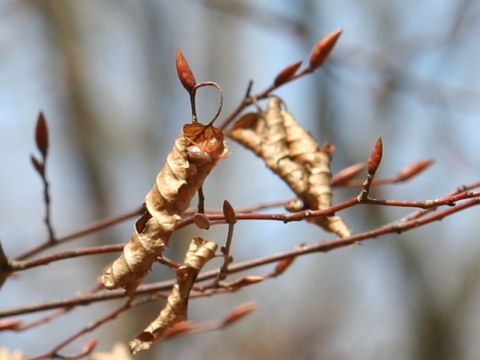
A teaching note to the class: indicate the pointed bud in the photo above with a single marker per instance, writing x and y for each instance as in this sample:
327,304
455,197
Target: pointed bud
185,73
179,328
229,213
375,157
90,346
41,134
239,312
283,265
286,74
321,51
345,175
413,169
38,165
201,220
10,324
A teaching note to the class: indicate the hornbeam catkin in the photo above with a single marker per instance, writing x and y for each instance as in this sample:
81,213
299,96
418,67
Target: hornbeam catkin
195,152
305,150
175,310
291,152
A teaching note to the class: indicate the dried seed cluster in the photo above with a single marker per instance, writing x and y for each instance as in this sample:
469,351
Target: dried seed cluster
196,151
291,152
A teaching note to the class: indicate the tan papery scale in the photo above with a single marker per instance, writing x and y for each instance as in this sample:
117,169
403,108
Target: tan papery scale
195,152
291,152
175,310
316,159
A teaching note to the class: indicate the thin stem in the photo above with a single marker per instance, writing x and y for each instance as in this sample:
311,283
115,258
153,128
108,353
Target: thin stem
399,226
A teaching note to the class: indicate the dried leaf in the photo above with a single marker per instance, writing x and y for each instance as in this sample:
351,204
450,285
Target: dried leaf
199,252
185,73
286,74
375,157
345,175
246,121
41,134
6,354
323,48
291,152
414,169
229,212
38,165
120,352
201,220
239,312
196,151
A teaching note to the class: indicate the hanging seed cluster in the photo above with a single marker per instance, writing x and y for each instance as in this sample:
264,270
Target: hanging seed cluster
195,153
291,152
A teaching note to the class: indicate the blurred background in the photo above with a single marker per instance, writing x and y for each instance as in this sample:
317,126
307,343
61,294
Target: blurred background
103,72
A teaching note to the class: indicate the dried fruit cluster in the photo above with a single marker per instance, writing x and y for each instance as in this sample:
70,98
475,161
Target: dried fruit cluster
292,153
196,151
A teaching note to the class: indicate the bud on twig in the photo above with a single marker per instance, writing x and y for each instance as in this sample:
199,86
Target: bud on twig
90,346
286,74
347,174
375,157
229,212
239,312
283,265
38,165
185,73
201,220
323,48
41,134
413,169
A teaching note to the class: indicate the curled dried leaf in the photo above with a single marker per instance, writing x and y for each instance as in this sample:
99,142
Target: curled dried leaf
175,310
185,73
286,74
345,175
195,153
239,312
41,134
375,157
229,212
414,169
323,48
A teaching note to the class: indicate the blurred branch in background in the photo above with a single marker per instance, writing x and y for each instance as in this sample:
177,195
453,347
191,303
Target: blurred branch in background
419,294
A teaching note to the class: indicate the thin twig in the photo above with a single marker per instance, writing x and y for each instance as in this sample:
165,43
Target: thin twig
399,226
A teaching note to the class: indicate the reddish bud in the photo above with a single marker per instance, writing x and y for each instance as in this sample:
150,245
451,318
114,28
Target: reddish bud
347,174
179,328
185,73
286,74
229,212
41,134
90,345
245,281
283,265
10,324
239,312
413,169
323,48
375,157
38,165
201,220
